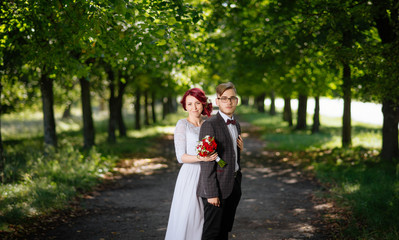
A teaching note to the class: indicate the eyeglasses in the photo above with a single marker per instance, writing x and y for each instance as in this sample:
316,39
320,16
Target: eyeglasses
226,99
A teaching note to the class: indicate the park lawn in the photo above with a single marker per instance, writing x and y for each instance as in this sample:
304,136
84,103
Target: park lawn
355,178
37,184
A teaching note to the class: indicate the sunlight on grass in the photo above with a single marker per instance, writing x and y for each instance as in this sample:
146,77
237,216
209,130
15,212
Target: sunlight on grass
151,131
69,125
351,187
23,116
279,136
29,124
38,183
22,126
367,139
358,179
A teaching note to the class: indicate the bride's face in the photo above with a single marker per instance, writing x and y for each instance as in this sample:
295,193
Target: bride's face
193,106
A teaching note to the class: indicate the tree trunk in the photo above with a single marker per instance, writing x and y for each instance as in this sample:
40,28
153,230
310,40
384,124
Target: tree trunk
346,119
46,87
302,106
113,109
287,115
272,103
67,111
173,104
88,124
137,108
389,150
101,104
146,114
121,122
2,157
165,108
316,116
245,101
260,103
154,116
386,23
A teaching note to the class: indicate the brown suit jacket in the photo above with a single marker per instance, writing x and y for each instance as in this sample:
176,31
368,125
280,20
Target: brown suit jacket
216,181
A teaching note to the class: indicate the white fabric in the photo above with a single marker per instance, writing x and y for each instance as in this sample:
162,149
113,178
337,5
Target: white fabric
186,216
233,134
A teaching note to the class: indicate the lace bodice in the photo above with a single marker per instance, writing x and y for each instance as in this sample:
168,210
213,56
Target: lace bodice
186,138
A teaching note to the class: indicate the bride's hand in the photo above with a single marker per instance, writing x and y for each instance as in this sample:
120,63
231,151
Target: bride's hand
209,158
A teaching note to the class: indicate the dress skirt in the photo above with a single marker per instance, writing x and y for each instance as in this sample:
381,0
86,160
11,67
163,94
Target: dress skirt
186,214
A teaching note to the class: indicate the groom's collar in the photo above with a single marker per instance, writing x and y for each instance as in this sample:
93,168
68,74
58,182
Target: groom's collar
225,117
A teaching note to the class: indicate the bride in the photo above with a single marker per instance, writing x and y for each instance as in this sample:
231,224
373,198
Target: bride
186,216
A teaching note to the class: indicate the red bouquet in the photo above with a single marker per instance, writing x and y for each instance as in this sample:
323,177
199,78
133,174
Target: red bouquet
207,146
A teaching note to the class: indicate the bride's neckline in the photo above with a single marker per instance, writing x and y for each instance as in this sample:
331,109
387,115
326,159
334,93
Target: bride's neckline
195,125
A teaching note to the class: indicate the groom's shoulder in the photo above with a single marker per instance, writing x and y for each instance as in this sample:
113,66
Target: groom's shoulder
211,120
209,123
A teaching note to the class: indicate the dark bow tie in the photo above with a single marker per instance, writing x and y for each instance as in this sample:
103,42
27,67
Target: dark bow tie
231,122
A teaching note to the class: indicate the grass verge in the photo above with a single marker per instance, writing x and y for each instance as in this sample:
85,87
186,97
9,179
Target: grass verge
38,183
355,177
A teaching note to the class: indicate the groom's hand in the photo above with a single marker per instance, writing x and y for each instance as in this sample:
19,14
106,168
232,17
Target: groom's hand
214,201
240,143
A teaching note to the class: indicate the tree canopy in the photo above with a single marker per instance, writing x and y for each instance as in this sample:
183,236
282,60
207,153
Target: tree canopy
340,48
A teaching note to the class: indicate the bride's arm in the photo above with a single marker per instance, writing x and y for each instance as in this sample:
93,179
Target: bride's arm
180,146
196,158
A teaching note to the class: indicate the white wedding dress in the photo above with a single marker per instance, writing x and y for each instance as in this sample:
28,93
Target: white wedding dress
186,216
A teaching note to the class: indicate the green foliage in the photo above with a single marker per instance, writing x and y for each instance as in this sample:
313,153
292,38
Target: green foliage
71,40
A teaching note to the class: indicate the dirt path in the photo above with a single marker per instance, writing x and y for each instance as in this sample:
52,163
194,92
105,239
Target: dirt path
276,201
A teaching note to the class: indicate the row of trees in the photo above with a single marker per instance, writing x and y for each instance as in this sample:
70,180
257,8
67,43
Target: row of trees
300,49
48,48
156,49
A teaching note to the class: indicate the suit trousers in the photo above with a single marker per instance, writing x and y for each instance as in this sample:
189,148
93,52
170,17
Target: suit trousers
218,221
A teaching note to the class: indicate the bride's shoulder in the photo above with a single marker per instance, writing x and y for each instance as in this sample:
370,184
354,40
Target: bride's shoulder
182,121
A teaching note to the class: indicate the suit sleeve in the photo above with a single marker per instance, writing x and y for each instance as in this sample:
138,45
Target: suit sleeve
208,169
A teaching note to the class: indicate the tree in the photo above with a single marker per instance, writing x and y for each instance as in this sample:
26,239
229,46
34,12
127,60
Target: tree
2,157
336,28
381,71
88,123
48,33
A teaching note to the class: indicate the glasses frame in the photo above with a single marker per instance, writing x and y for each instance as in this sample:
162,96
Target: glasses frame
233,99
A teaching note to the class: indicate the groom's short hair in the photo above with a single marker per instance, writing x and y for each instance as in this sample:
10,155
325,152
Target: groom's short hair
221,88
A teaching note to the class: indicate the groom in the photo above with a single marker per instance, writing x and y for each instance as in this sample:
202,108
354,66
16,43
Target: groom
220,188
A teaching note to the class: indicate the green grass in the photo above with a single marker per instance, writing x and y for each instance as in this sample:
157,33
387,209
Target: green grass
357,180
36,183
367,186
279,136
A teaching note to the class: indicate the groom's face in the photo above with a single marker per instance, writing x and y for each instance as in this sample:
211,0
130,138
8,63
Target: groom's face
227,102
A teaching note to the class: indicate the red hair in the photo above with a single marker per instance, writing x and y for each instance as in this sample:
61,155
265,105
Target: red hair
200,96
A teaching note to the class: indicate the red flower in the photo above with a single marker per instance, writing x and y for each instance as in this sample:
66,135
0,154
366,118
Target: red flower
206,146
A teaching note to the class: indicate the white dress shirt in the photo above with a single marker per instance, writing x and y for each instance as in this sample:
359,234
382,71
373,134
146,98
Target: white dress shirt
234,136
